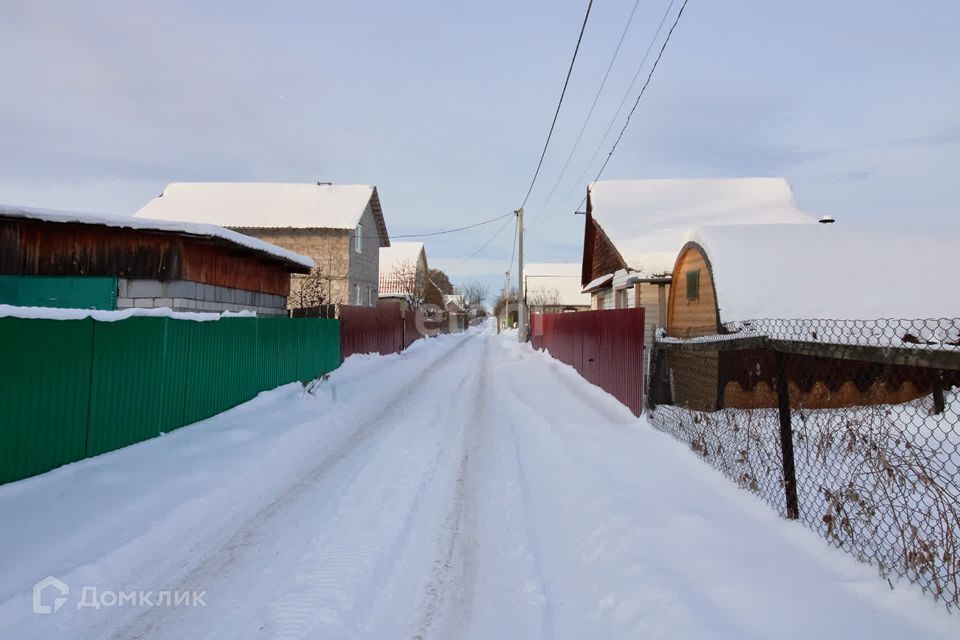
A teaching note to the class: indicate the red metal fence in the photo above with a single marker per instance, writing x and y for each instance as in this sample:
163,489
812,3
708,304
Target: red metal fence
605,347
371,329
386,328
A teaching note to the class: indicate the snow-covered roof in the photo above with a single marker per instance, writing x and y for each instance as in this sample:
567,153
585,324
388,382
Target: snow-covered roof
648,220
596,283
455,299
831,272
399,267
558,281
400,255
264,204
188,228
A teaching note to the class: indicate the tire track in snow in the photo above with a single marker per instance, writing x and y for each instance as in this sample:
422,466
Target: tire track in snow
345,565
448,597
217,566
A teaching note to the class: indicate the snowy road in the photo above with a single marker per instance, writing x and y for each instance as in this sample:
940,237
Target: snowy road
469,488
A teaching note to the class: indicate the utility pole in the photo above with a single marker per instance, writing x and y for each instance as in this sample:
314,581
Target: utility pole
521,292
506,300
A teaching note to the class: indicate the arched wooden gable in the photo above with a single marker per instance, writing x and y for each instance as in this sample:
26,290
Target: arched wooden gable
692,308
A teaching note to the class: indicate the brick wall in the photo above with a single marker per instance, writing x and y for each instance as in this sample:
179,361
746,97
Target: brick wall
333,251
329,249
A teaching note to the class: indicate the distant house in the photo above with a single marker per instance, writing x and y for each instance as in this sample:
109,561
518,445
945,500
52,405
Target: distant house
340,226
403,272
79,260
820,284
453,303
634,230
552,287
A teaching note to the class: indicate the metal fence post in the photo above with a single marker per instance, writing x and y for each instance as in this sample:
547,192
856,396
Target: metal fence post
786,439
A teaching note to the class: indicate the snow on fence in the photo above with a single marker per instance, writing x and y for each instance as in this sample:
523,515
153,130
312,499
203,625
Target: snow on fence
75,388
605,347
851,427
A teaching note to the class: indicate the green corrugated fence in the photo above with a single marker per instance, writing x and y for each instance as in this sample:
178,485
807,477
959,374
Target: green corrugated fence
70,389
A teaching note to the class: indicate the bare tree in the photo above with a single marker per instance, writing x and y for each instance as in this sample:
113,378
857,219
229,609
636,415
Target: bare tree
325,284
408,279
543,298
474,294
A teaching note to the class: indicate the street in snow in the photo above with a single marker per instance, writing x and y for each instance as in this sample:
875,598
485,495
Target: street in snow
466,488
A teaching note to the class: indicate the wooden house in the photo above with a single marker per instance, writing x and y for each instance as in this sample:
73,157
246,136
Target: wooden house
634,229
340,226
65,259
817,285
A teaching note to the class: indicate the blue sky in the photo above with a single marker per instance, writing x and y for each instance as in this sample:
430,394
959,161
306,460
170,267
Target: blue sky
444,105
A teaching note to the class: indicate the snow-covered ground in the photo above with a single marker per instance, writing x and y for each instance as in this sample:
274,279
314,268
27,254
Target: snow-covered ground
468,488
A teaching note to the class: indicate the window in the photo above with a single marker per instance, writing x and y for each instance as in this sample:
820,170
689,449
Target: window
693,284
358,239
356,295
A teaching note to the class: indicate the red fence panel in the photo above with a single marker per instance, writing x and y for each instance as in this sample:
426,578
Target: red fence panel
371,329
605,347
389,327
410,331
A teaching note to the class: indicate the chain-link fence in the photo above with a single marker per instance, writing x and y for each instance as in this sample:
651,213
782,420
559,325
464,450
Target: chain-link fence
851,427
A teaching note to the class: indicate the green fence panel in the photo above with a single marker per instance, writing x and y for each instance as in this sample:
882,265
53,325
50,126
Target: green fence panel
127,388
66,292
270,340
178,341
221,369
44,394
319,348
76,388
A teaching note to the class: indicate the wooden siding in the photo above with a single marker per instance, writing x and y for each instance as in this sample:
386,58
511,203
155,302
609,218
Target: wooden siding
210,264
600,257
690,318
36,247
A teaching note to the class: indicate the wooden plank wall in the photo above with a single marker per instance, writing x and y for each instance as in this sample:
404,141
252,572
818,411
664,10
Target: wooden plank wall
34,247
690,318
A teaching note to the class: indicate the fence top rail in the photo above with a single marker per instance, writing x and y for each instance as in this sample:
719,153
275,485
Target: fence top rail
913,356
101,315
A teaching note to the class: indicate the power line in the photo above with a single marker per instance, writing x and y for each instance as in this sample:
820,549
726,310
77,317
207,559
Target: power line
482,247
623,101
643,89
556,113
593,106
440,233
